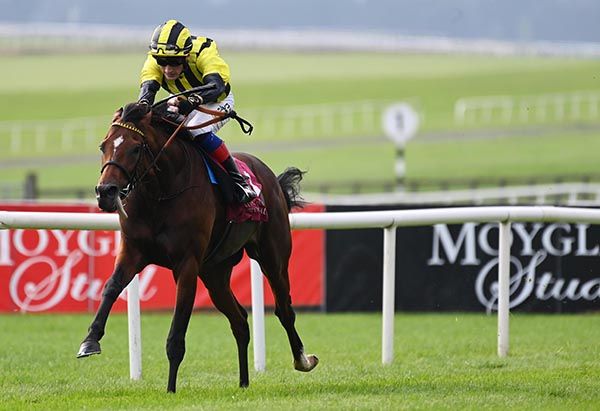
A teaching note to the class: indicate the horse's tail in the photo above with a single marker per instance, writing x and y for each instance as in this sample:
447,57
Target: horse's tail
289,182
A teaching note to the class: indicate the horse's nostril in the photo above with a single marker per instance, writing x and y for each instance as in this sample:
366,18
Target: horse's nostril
107,190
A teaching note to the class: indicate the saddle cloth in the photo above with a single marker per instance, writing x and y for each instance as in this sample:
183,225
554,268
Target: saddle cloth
254,210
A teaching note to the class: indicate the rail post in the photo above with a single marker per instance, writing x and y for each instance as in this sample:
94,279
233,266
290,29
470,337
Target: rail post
258,316
503,287
389,274
135,329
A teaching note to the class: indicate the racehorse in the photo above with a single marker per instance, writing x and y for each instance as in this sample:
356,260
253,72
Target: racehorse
171,215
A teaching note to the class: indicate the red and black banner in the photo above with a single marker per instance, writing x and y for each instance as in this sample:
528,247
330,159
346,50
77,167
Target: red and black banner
65,270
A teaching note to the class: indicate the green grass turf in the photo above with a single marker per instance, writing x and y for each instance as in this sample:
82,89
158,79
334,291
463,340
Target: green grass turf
566,154
66,86
442,361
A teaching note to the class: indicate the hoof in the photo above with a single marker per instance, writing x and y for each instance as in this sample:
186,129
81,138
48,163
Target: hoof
306,363
88,348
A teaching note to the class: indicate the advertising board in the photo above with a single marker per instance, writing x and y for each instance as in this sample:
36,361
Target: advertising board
553,267
65,270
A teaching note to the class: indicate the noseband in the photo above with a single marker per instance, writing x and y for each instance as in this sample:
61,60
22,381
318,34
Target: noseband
131,179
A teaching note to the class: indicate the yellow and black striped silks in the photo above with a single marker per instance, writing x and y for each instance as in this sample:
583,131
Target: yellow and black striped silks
203,59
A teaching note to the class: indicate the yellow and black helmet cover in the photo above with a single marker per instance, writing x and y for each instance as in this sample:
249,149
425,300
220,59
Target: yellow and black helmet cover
171,39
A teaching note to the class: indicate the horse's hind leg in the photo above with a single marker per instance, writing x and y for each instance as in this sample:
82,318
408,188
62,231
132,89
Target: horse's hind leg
217,283
273,257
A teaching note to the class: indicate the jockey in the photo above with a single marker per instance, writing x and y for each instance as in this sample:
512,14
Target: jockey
178,61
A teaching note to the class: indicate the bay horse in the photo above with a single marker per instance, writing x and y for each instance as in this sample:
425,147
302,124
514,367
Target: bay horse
176,219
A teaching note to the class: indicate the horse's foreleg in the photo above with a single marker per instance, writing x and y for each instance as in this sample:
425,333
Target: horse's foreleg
186,293
125,269
217,283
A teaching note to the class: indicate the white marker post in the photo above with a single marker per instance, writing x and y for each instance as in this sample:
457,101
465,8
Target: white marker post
258,316
135,329
400,124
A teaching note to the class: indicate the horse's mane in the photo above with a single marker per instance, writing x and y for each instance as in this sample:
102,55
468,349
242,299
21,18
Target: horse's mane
133,112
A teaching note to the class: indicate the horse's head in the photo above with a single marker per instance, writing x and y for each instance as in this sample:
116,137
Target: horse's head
122,152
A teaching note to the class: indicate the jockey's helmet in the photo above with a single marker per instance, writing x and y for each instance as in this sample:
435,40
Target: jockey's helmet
170,39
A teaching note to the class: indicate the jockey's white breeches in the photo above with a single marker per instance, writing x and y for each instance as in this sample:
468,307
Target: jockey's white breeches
197,117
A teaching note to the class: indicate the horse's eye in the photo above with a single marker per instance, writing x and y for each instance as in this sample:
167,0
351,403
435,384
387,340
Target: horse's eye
135,150
101,147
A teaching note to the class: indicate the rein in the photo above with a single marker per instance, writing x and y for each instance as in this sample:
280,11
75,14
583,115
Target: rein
219,115
163,148
244,124
133,179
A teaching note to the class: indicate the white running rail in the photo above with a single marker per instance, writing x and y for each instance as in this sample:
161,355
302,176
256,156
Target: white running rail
578,105
77,135
570,194
387,220
52,137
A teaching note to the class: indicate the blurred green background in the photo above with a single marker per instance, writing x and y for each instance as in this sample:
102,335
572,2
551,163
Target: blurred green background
42,94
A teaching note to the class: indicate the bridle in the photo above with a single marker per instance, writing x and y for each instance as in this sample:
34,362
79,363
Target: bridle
132,178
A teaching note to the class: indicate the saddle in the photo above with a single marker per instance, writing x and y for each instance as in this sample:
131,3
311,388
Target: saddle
254,210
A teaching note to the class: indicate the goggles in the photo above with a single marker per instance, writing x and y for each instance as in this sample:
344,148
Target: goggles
166,48
169,61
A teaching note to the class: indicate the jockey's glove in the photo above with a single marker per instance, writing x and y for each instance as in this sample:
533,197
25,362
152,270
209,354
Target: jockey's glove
185,106
195,99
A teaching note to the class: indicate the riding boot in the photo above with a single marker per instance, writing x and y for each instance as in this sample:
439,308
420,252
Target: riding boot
218,150
244,192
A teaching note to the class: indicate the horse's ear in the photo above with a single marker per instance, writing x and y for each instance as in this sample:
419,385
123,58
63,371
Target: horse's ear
117,115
